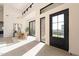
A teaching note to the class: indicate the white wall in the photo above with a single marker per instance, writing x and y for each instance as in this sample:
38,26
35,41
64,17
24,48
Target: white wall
10,17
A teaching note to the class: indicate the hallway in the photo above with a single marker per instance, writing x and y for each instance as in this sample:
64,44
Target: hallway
55,24
35,48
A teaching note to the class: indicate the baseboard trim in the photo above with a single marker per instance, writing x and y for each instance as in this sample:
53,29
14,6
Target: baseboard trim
72,54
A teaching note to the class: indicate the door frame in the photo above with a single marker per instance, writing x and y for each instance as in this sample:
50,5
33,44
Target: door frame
66,22
40,29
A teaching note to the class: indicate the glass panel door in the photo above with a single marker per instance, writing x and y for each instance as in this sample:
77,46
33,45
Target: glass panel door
59,29
42,29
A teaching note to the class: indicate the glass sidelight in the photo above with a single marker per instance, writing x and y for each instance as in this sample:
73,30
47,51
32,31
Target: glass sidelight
42,29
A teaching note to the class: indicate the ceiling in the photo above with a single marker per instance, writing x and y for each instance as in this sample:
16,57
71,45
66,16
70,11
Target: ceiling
20,6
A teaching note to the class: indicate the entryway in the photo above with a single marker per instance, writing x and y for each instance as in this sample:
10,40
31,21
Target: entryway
59,29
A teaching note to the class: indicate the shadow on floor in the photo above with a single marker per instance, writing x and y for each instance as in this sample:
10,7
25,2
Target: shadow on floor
21,50
52,51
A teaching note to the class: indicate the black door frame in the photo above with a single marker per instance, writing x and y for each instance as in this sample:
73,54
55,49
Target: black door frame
66,28
40,29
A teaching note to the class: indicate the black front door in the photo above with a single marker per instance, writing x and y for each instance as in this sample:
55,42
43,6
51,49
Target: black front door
59,29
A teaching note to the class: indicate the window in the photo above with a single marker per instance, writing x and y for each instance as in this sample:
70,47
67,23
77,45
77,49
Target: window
58,26
32,28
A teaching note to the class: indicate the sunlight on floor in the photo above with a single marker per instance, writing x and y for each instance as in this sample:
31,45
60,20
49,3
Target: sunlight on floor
35,50
2,45
14,46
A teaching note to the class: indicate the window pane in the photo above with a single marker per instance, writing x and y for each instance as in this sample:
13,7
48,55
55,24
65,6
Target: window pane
54,29
32,28
42,25
61,18
54,19
61,29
